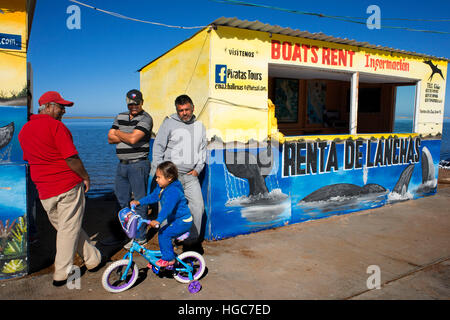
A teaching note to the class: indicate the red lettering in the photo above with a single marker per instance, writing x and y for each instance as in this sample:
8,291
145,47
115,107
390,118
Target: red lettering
297,53
351,53
276,49
287,52
305,52
367,61
314,58
325,56
334,57
343,58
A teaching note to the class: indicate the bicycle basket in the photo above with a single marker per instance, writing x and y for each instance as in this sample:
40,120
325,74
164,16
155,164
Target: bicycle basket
129,221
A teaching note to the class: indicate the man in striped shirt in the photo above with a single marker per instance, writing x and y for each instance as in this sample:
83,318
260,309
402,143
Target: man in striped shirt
131,132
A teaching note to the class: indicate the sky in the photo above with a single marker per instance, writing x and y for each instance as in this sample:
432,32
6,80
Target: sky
96,65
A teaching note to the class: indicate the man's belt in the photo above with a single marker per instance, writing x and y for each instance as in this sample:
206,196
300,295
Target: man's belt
132,161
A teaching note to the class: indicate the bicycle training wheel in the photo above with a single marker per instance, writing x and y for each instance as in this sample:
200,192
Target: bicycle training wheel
111,279
196,261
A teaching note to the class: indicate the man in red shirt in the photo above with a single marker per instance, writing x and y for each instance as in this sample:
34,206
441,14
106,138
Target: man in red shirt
61,180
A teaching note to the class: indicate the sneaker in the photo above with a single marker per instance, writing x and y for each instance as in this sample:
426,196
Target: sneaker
163,263
140,242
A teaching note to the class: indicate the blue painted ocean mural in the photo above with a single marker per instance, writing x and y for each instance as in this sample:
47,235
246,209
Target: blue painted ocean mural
251,189
13,222
13,194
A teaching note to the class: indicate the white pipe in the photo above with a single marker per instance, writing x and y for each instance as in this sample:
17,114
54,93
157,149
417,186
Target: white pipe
354,102
417,107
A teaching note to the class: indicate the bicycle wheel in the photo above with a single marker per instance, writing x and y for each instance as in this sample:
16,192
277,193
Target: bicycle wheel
111,279
196,261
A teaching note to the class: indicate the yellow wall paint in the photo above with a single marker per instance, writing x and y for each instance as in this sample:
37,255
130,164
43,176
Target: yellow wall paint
232,123
182,70
13,66
229,87
13,73
14,18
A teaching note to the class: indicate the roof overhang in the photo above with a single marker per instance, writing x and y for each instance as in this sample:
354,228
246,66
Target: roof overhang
274,29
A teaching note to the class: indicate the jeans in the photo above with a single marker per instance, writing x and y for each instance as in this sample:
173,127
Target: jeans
133,178
169,232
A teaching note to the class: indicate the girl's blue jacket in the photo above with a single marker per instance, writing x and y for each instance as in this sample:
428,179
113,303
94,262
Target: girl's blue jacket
173,202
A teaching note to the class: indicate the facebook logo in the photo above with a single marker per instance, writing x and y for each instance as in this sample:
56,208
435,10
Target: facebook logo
221,73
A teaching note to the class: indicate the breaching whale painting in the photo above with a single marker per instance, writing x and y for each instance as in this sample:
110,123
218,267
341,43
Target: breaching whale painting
6,134
11,121
252,189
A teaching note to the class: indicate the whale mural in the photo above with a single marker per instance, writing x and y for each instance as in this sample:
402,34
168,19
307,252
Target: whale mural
6,134
12,120
260,205
256,188
429,180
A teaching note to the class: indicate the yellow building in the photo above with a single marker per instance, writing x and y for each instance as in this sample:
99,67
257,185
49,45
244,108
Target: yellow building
314,105
253,59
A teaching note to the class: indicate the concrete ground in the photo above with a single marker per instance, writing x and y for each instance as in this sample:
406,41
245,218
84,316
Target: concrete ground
407,243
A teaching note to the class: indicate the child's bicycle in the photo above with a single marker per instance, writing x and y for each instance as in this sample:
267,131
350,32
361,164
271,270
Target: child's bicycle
122,274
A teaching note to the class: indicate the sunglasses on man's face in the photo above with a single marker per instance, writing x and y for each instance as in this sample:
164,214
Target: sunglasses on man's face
59,105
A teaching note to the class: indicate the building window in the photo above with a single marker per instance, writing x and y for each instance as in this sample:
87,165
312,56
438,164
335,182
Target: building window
286,100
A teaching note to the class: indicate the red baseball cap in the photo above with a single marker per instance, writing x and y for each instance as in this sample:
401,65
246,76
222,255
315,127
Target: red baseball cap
53,96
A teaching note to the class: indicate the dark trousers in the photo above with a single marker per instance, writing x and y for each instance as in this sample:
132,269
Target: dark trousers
131,179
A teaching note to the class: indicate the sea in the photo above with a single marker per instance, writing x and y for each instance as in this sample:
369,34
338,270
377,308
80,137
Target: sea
91,139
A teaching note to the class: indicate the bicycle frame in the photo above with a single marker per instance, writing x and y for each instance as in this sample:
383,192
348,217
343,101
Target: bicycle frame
152,256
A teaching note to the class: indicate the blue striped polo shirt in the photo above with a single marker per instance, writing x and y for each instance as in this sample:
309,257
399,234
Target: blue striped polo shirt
142,121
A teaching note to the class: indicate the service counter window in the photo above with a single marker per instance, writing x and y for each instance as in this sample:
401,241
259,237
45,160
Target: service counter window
315,102
309,106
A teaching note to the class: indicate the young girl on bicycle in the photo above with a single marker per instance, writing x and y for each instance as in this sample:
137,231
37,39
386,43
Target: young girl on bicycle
174,209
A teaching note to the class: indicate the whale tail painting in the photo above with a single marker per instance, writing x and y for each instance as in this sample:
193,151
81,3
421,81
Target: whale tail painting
251,167
261,206
245,166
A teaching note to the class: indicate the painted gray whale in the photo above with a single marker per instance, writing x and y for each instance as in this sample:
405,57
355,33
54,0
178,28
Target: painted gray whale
342,190
349,190
6,134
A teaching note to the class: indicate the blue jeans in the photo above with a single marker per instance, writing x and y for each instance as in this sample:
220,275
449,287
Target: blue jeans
133,178
169,232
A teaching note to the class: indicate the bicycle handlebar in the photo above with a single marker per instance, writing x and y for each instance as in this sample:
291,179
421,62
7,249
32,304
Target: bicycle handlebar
141,221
